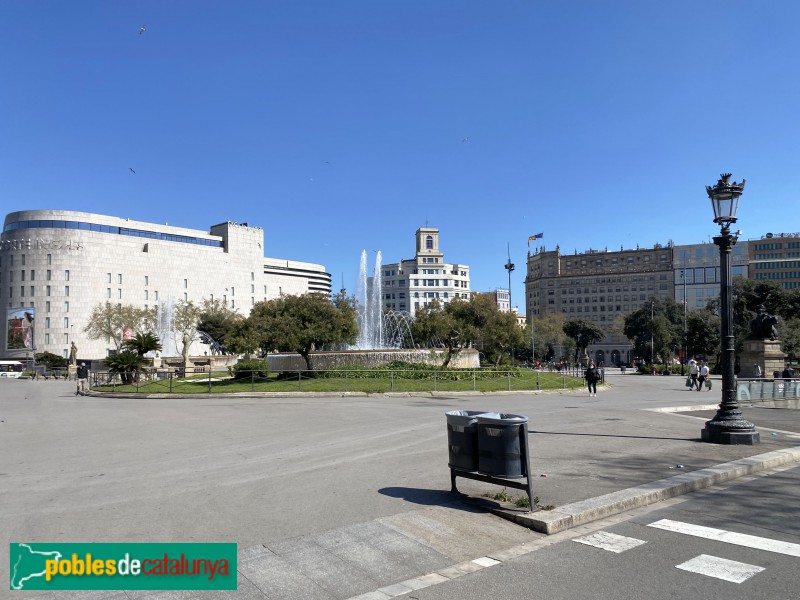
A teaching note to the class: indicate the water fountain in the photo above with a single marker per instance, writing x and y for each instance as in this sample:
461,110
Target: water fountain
165,320
383,337
369,295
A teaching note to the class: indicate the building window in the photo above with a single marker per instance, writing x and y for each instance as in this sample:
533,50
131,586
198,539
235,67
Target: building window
49,275
146,294
147,280
47,291
49,259
66,275
119,293
47,306
108,292
119,278
33,275
46,338
429,242
66,322
32,291
66,306
66,290
185,283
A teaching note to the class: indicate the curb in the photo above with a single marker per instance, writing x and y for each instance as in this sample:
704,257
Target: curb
586,511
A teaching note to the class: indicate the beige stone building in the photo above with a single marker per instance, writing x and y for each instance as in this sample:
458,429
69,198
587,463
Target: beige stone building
598,286
61,264
410,285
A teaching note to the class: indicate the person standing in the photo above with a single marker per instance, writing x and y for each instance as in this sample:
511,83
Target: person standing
757,371
702,376
83,380
591,376
693,374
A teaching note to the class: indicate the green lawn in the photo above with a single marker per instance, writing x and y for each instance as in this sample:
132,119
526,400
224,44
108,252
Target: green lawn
218,383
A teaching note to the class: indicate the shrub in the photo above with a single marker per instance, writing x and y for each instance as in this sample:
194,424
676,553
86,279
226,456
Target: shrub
243,369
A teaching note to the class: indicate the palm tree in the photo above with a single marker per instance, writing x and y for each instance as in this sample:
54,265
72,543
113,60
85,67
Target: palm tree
127,364
143,343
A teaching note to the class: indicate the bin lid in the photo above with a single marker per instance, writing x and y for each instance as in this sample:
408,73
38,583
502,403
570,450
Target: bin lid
463,417
493,418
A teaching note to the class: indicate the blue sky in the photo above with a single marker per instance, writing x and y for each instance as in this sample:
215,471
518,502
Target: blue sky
339,126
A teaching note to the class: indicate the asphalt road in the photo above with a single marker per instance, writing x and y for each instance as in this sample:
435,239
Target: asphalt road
763,511
276,472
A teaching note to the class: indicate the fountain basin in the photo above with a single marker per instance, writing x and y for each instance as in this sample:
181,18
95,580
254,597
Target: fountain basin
344,359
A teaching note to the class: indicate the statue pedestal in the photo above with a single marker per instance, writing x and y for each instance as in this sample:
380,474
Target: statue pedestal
72,371
765,353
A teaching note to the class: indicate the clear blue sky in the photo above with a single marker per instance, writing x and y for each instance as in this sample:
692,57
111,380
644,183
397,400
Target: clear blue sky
338,126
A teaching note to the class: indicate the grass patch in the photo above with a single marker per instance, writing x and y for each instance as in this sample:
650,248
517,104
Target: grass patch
379,381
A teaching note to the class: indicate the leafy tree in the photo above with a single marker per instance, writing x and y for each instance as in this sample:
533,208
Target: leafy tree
659,320
748,295
218,320
500,335
127,364
702,332
187,316
50,360
108,320
583,333
142,343
434,324
548,332
300,324
790,337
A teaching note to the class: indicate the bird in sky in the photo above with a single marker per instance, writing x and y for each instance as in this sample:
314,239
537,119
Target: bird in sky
466,139
142,29
131,170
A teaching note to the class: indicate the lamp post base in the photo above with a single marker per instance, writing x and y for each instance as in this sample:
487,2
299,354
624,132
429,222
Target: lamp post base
746,437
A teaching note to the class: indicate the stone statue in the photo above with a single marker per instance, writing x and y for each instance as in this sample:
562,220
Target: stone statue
73,354
186,343
763,326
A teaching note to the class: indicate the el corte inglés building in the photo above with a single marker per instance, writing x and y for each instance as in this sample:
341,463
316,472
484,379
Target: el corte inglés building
57,265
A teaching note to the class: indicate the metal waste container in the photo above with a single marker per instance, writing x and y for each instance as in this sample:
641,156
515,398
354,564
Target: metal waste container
462,439
501,440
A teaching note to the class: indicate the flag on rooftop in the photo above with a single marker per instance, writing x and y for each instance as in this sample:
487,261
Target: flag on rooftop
538,236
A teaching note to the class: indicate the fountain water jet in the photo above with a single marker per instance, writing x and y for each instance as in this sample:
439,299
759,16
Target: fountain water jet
369,294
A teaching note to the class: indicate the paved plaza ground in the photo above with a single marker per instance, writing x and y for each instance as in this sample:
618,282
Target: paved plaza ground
275,474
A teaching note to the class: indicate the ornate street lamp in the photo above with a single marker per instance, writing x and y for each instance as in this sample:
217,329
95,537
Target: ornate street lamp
728,426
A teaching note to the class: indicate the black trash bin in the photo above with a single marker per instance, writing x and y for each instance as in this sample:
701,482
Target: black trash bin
500,444
462,439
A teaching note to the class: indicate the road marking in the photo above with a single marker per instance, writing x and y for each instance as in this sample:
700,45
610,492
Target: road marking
609,541
729,537
721,568
485,561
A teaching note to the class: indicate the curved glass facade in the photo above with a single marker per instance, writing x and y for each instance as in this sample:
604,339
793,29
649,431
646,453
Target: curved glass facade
153,235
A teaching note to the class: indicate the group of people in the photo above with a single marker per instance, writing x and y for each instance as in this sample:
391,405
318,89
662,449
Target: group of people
698,375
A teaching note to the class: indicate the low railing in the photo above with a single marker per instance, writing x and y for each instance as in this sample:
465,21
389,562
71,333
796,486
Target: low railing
767,389
171,381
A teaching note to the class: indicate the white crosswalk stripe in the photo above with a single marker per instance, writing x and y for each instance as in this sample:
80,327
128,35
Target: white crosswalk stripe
609,541
721,568
729,537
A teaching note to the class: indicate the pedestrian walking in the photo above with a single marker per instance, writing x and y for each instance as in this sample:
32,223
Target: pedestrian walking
757,371
693,371
83,380
592,376
702,375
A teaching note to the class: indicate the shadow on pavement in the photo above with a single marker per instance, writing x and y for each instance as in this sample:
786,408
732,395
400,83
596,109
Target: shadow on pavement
640,437
429,497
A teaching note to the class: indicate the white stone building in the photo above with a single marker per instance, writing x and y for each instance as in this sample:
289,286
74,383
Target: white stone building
64,263
413,284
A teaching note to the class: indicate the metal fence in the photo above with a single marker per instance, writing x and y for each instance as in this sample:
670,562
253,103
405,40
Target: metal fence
181,381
